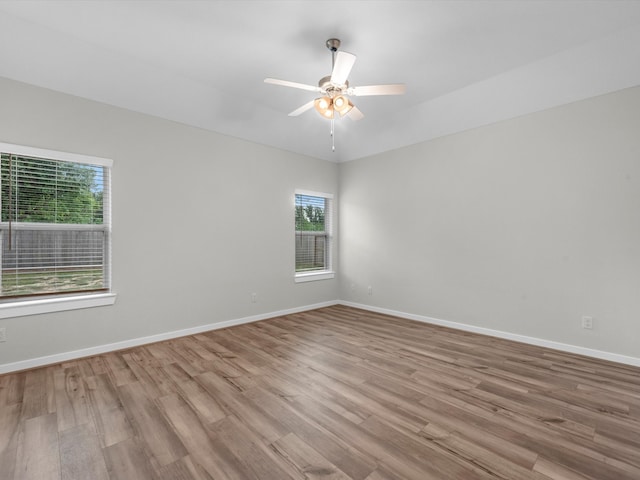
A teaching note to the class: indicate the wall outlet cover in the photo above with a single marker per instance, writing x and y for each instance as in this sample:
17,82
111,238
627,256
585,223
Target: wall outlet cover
587,322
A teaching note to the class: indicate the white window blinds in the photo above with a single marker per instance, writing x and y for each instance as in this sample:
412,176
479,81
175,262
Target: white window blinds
55,223
313,232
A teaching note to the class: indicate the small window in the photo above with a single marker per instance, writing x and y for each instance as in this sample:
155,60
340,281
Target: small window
55,226
313,235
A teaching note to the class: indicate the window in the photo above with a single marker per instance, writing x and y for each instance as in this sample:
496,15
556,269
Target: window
55,226
313,235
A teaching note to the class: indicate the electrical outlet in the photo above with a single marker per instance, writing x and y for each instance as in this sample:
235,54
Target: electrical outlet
370,290
254,297
3,334
587,322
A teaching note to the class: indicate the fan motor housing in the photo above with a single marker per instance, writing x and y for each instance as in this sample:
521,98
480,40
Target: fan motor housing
330,88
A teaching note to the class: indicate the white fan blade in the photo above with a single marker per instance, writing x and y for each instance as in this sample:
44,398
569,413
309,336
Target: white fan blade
302,109
342,67
286,83
396,89
355,114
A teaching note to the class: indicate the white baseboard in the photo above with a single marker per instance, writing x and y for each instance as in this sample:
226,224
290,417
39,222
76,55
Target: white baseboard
110,347
564,347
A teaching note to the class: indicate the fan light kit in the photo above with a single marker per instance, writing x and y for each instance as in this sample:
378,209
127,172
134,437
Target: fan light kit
335,90
327,106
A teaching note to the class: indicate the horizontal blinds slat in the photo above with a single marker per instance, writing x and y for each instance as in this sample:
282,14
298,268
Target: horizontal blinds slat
61,227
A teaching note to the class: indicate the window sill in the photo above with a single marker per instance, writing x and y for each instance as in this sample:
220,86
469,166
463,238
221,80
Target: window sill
49,305
314,276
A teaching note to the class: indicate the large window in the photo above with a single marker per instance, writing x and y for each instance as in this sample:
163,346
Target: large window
313,235
55,226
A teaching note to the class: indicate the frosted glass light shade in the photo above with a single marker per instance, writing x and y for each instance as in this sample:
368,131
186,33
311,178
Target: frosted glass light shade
324,106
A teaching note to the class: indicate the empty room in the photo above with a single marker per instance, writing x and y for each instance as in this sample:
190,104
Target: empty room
348,240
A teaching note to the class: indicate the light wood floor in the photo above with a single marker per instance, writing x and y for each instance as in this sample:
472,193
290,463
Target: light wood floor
335,393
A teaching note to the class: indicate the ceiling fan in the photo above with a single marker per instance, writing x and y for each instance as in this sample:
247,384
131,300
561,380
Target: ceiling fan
335,90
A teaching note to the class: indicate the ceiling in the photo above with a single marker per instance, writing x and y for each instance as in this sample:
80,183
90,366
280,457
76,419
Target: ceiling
202,63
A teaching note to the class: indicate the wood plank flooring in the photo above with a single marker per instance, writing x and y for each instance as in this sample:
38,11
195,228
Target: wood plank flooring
335,393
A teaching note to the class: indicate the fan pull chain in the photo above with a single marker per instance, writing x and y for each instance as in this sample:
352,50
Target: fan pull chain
333,137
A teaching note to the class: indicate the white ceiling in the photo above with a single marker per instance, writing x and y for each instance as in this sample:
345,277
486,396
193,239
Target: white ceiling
465,63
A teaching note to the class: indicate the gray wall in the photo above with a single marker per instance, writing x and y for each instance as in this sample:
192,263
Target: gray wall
200,221
522,226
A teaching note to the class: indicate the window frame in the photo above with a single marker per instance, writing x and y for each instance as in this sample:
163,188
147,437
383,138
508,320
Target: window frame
21,306
328,272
